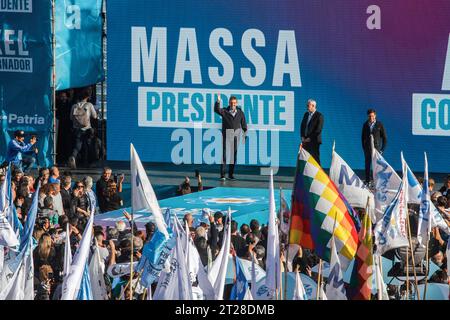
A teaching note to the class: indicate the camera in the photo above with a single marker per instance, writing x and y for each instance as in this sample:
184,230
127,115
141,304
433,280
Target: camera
105,242
50,275
117,175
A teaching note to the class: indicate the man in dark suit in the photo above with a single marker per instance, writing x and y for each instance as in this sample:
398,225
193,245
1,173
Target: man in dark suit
374,128
311,130
233,123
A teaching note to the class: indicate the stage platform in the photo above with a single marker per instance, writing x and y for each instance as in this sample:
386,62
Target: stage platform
166,174
166,177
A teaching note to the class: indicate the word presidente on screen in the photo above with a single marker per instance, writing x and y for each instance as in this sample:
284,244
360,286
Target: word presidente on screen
183,108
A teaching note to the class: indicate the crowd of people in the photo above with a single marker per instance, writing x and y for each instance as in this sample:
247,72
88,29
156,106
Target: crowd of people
65,202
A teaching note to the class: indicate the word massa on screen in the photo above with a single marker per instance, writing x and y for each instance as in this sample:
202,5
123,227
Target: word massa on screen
148,57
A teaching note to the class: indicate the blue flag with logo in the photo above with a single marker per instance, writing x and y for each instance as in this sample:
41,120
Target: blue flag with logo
154,255
240,287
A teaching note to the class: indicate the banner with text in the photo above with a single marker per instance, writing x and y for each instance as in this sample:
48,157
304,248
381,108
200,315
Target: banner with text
25,73
166,69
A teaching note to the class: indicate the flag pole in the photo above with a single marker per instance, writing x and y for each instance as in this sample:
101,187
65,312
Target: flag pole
407,274
428,266
286,269
416,283
379,279
319,287
289,232
132,253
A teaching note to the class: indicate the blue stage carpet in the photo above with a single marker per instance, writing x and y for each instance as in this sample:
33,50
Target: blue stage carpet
245,203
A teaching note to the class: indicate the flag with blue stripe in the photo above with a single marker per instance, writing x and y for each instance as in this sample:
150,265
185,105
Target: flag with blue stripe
240,287
85,292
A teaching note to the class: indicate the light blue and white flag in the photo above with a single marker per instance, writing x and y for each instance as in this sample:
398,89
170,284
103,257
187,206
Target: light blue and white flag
85,292
17,280
424,224
175,284
72,281
142,194
67,252
415,191
28,228
7,236
240,287
386,181
273,269
154,255
351,185
390,232
335,286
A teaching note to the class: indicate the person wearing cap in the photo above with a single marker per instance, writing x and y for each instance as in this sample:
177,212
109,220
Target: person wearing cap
16,147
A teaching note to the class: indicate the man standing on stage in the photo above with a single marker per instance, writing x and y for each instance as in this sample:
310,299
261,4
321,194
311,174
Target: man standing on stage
374,128
311,130
233,123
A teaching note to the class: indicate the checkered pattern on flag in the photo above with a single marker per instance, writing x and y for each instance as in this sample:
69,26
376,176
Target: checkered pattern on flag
361,280
317,208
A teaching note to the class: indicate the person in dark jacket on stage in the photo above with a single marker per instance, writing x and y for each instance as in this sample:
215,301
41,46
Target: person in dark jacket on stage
374,128
233,123
311,130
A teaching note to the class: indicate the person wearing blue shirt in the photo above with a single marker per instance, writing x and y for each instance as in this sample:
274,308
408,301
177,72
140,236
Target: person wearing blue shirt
17,147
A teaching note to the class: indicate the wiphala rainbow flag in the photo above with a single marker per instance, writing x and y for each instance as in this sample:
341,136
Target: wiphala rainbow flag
318,208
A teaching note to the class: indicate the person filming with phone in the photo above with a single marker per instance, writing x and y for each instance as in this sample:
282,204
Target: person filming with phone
17,147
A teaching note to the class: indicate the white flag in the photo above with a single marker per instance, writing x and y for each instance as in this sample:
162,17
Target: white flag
386,182
273,245
248,294
335,285
142,193
175,284
67,253
71,283
390,232
19,276
416,192
351,185
381,286
7,236
253,282
322,295
218,272
196,269
424,224
96,274
299,290
149,293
